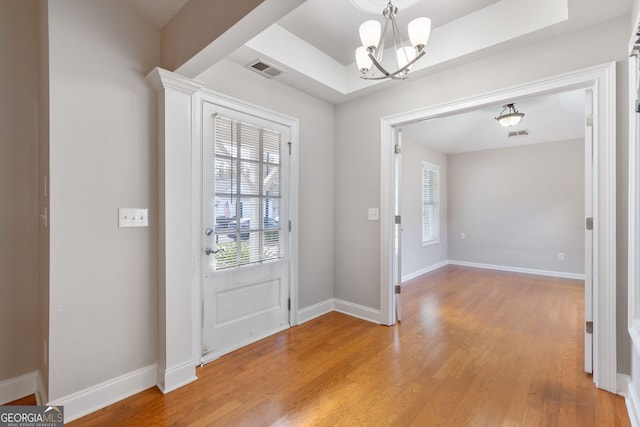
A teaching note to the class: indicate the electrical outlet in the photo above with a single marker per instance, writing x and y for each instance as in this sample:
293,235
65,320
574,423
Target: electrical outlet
373,214
463,236
133,217
560,256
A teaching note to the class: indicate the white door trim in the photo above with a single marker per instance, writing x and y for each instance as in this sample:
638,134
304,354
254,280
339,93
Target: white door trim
601,79
634,203
588,234
179,220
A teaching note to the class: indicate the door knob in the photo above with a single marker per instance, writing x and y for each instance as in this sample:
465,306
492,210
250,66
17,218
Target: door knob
208,231
210,251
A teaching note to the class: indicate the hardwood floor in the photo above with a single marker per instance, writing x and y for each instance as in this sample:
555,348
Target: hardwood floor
475,348
25,401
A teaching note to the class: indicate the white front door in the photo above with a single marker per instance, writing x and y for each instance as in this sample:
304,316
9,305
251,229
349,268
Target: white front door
246,229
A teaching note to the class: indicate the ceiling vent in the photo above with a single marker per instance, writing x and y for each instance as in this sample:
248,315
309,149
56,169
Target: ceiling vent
265,69
518,133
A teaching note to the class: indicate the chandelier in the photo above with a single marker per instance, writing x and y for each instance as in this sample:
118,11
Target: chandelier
373,36
511,118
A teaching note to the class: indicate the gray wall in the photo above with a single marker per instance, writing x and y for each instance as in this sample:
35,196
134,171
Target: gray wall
316,178
519,206
19,321
103,280
415,257
357,245
99,286
43,196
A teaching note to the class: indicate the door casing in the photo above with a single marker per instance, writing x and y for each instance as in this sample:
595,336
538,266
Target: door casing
242,276
211,97
602,80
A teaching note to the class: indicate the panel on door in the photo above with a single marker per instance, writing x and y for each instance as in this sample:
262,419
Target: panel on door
245,241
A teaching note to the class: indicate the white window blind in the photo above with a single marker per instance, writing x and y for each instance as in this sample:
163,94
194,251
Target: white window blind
430,203
246,193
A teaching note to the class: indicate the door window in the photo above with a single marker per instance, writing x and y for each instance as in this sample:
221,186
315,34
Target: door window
247,194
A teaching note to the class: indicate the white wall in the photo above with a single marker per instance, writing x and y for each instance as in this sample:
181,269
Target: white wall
103,280
357,242
316,177
19,321
519,206
415,257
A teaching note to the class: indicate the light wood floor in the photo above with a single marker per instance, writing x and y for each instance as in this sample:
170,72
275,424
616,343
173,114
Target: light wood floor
475,348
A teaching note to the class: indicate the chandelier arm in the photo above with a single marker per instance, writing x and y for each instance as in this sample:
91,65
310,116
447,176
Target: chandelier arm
383,36
396,37
380,78
394,34
385,73
395,73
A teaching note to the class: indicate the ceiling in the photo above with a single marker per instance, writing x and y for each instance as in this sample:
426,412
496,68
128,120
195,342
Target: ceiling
332,25
554,117
159,11
314,47
314,44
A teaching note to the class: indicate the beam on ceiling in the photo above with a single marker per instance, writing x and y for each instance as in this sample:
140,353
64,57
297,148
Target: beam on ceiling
203,32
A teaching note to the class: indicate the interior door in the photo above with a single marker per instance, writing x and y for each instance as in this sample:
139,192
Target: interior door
588,246
397,233
245,271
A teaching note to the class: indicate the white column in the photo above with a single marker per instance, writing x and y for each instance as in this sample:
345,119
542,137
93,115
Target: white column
176,364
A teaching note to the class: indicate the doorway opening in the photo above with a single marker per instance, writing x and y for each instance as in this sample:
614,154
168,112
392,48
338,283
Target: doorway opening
600,80
245,201
471,194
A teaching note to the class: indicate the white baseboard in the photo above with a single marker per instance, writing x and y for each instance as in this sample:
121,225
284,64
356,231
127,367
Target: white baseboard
518,270
17,388
632,402
316,310
176,377
357,310
345,307
99,396
622,383
423,271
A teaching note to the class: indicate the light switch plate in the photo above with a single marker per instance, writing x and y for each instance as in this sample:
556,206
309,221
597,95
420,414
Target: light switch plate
374,214
133,217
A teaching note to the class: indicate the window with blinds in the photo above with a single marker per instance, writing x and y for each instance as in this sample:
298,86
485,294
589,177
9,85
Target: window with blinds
430,203
246,194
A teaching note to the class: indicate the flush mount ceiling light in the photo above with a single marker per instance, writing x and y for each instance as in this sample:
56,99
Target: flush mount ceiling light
373,35
511,118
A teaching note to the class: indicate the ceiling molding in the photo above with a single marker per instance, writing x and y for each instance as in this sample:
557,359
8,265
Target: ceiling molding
450,42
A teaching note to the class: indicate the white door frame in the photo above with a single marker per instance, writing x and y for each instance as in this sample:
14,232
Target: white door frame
180,216
634,209
263,119
588,234
211,97
602,80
